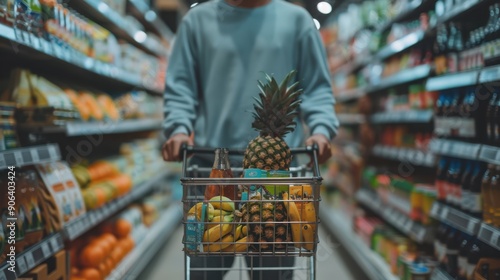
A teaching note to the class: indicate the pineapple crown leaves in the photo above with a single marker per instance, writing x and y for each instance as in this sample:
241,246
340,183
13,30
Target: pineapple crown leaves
276,106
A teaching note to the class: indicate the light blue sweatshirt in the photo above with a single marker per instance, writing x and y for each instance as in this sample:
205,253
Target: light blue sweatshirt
220,53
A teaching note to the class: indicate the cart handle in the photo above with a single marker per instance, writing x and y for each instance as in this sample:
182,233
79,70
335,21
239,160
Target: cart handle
187,150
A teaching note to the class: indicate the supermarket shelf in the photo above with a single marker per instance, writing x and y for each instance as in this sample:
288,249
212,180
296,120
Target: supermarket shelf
455,80
490,74
29,156
455,149
351,94
104,15
107,73
455,218
89,128
353,65
133,264
400,45
414,230
412,7
371,263
440,274
33,256
91,218
490,235
403,77
458,10
141,10
412,156
351,119
412,116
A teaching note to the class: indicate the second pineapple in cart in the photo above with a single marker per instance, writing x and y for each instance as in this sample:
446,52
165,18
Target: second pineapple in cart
221,48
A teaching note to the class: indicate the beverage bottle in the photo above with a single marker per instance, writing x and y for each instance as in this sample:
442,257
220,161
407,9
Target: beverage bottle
438,241
438,119
442,258
465,186
452,245
221,169
488,177
441,179
463,251
495,197
448,182
475,200
490,119
472,259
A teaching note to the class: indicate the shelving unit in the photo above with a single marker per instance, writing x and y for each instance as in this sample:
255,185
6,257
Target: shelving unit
403,77
79,63
489,74
412,7
458,10
371,263
90,219
413,156
403,223
89,128
135,262
351,119
33,256
490,235
349,95
455,80
455,218
29,156
412,116
456,149
401,45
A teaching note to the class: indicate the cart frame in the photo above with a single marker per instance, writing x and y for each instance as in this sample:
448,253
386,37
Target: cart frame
193,194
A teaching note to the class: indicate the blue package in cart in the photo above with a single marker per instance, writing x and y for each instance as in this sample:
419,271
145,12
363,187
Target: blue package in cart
195,229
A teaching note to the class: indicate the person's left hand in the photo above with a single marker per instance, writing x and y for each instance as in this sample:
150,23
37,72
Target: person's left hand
324,149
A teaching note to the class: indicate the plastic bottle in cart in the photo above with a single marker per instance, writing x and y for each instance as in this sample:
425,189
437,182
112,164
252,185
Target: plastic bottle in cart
221,169
485,190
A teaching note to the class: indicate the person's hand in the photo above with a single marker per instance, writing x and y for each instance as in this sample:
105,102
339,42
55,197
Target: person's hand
172,147
324,150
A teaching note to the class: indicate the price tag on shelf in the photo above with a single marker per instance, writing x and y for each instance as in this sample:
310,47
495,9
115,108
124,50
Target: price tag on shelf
57,51
45,250
35,42
471,226
444,213
55,244
435,210
46,47
408,225
495,239
21,263
30,261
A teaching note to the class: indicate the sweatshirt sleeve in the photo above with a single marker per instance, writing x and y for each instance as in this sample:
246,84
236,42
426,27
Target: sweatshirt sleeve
317,99
180,97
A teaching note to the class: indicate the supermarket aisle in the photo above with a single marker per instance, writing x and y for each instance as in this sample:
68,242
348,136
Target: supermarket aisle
331,260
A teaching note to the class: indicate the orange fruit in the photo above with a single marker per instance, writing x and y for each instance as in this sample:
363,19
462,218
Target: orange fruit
103,244
117,254
110,238
91,256
101,196
122,228
91,274
129,243
109,262
104,269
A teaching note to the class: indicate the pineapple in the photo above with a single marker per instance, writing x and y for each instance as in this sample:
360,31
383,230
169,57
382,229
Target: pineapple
275,110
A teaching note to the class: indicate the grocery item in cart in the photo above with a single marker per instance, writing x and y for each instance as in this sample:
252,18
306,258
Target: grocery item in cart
221,169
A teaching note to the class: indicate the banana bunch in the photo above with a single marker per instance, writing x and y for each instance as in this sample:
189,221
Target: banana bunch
303,222
221,233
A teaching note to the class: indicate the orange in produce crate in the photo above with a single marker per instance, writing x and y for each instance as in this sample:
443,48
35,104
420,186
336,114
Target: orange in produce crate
122,228
108,106
90,101
91,256
80,106
110,238
91,274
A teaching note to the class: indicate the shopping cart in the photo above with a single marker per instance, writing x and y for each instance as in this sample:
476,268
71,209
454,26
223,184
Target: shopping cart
302,188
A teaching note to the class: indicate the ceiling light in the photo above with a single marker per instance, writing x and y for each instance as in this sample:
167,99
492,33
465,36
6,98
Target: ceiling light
194,4
316,22
140,36
150,16
324,7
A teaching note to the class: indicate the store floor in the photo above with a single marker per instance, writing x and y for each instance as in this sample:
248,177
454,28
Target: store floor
332,262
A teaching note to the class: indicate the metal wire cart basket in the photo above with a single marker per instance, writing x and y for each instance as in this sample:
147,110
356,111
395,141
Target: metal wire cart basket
273,216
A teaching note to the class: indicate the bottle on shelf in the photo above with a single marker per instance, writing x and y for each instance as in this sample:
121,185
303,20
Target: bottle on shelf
463,251
440,183
438,241
452,245
221,169
485,190
496,129
490,118
474,200
465,186
495,197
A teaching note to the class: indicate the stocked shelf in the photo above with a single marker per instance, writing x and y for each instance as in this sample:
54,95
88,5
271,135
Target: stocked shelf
413,156
455,80
490,154
490,235
403,77
351,119
412,7
116,23
403,223
455,149
29,156
490,74
89,128
371,263
411,116
402,44
455,218
133,264
33,256
439,274
349,95
107,73
141,10
90,219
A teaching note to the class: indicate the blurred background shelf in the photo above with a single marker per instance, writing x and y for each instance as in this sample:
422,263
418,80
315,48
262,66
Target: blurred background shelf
411,116
351,119
490,235
455,218
454,80
412,156
29,156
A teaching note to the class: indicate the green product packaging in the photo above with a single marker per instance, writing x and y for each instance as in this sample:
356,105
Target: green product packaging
277,189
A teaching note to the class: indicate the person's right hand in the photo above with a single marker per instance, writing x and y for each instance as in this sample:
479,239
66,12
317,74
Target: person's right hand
172,147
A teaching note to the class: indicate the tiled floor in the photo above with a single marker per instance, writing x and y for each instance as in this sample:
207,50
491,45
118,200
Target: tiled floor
332,262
